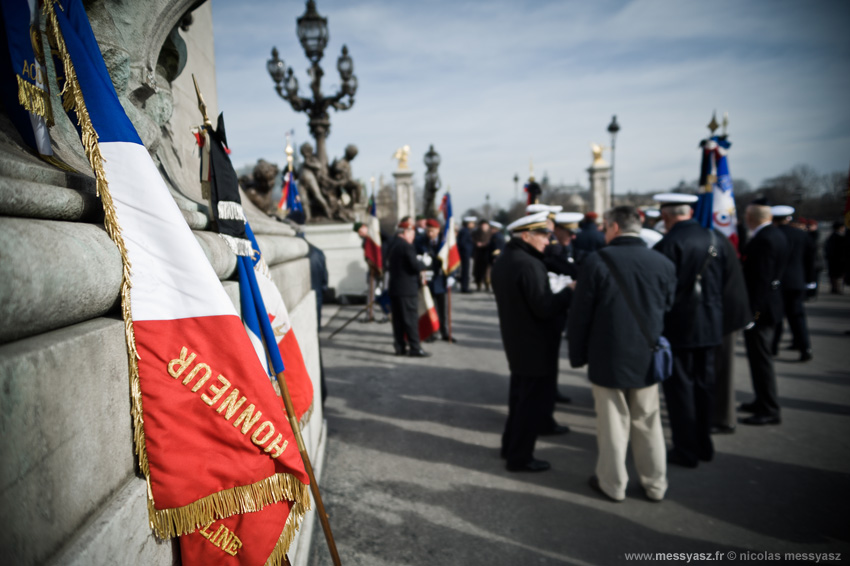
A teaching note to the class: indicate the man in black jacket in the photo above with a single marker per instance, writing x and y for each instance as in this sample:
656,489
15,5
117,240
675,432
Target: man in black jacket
799,272
465,247
404,271
764,260
528,315
606,334
694,327
589,239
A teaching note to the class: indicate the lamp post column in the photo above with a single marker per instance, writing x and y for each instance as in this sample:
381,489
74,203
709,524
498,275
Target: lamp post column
613,128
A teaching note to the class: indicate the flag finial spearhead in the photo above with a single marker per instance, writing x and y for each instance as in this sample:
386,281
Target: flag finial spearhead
713,125
202,106
290,153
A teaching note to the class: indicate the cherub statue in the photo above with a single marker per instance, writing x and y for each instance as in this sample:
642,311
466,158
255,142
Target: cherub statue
402,154
341,175
310,175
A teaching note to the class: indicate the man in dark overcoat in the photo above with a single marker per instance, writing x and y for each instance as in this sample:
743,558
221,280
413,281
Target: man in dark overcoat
764,259
694,327
799,272
604,333
465,247
404,271
589,239
528,318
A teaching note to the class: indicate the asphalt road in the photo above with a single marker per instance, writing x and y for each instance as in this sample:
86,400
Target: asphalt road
413,474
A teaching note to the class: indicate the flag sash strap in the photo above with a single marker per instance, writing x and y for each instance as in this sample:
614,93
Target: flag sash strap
269,488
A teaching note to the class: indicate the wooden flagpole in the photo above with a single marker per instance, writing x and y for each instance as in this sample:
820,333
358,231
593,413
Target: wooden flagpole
370,315
314,487
449,309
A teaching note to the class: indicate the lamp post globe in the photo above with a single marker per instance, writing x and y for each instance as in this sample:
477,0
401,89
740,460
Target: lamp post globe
313,32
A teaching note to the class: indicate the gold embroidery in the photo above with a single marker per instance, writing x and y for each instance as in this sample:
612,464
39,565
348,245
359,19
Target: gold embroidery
218,391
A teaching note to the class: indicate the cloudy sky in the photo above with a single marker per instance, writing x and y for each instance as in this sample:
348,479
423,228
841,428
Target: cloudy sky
494,83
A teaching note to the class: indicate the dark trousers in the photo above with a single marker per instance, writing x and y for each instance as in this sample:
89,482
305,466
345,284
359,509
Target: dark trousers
527,409
758,341
405,322
440,306
690,400
464,273
795,312
724,382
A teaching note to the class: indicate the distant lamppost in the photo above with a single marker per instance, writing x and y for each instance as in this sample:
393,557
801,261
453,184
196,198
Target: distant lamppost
313,34
613,128
516,186
432,181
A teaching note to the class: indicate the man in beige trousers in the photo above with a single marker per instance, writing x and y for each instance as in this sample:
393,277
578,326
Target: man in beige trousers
604,330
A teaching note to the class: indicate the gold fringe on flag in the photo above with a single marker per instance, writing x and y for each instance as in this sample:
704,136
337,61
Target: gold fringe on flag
293,523
240,499
35,100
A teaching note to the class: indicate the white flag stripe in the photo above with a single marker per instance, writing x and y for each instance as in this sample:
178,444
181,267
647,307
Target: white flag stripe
154,231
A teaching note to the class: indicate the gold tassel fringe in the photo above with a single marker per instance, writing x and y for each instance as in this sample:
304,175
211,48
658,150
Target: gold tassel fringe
165,522
293,523
305,418
240,499
35,100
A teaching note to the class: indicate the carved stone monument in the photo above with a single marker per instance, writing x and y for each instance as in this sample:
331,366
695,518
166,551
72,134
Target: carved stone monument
405,199
600,181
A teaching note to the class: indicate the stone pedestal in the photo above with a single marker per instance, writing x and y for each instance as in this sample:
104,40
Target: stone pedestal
405,201
344,256
600,186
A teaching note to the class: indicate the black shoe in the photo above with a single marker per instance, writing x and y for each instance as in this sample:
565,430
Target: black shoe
400,351
555,430
530,466
678,459
593,482
793,347
420,353
722,429
431,339
805,356
760,420
750,407
451,340
561,398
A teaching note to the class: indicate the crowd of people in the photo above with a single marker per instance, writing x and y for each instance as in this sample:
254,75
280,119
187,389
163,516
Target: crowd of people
648,300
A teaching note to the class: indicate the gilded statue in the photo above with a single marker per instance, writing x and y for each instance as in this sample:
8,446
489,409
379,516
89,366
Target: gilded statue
402,154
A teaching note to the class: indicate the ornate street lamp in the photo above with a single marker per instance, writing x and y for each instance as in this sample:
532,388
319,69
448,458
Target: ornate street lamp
312,31
432,181
613,128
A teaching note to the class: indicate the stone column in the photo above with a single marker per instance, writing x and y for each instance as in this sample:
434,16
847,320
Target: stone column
600,186
405,203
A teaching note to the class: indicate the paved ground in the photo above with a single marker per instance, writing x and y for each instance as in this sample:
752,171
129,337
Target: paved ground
414,477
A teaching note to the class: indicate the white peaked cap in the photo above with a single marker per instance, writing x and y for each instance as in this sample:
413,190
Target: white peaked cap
652,213
675,198
470,219
530,222
564,218
535,208
496,225
782,210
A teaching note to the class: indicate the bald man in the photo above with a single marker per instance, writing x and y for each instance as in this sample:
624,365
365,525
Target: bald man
764,257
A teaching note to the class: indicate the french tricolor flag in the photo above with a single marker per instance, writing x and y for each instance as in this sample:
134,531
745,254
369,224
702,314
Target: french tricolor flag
449,254
212,437
372,243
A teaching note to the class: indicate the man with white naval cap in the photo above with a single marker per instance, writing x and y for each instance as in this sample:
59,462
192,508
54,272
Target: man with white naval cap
694,326
528,318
